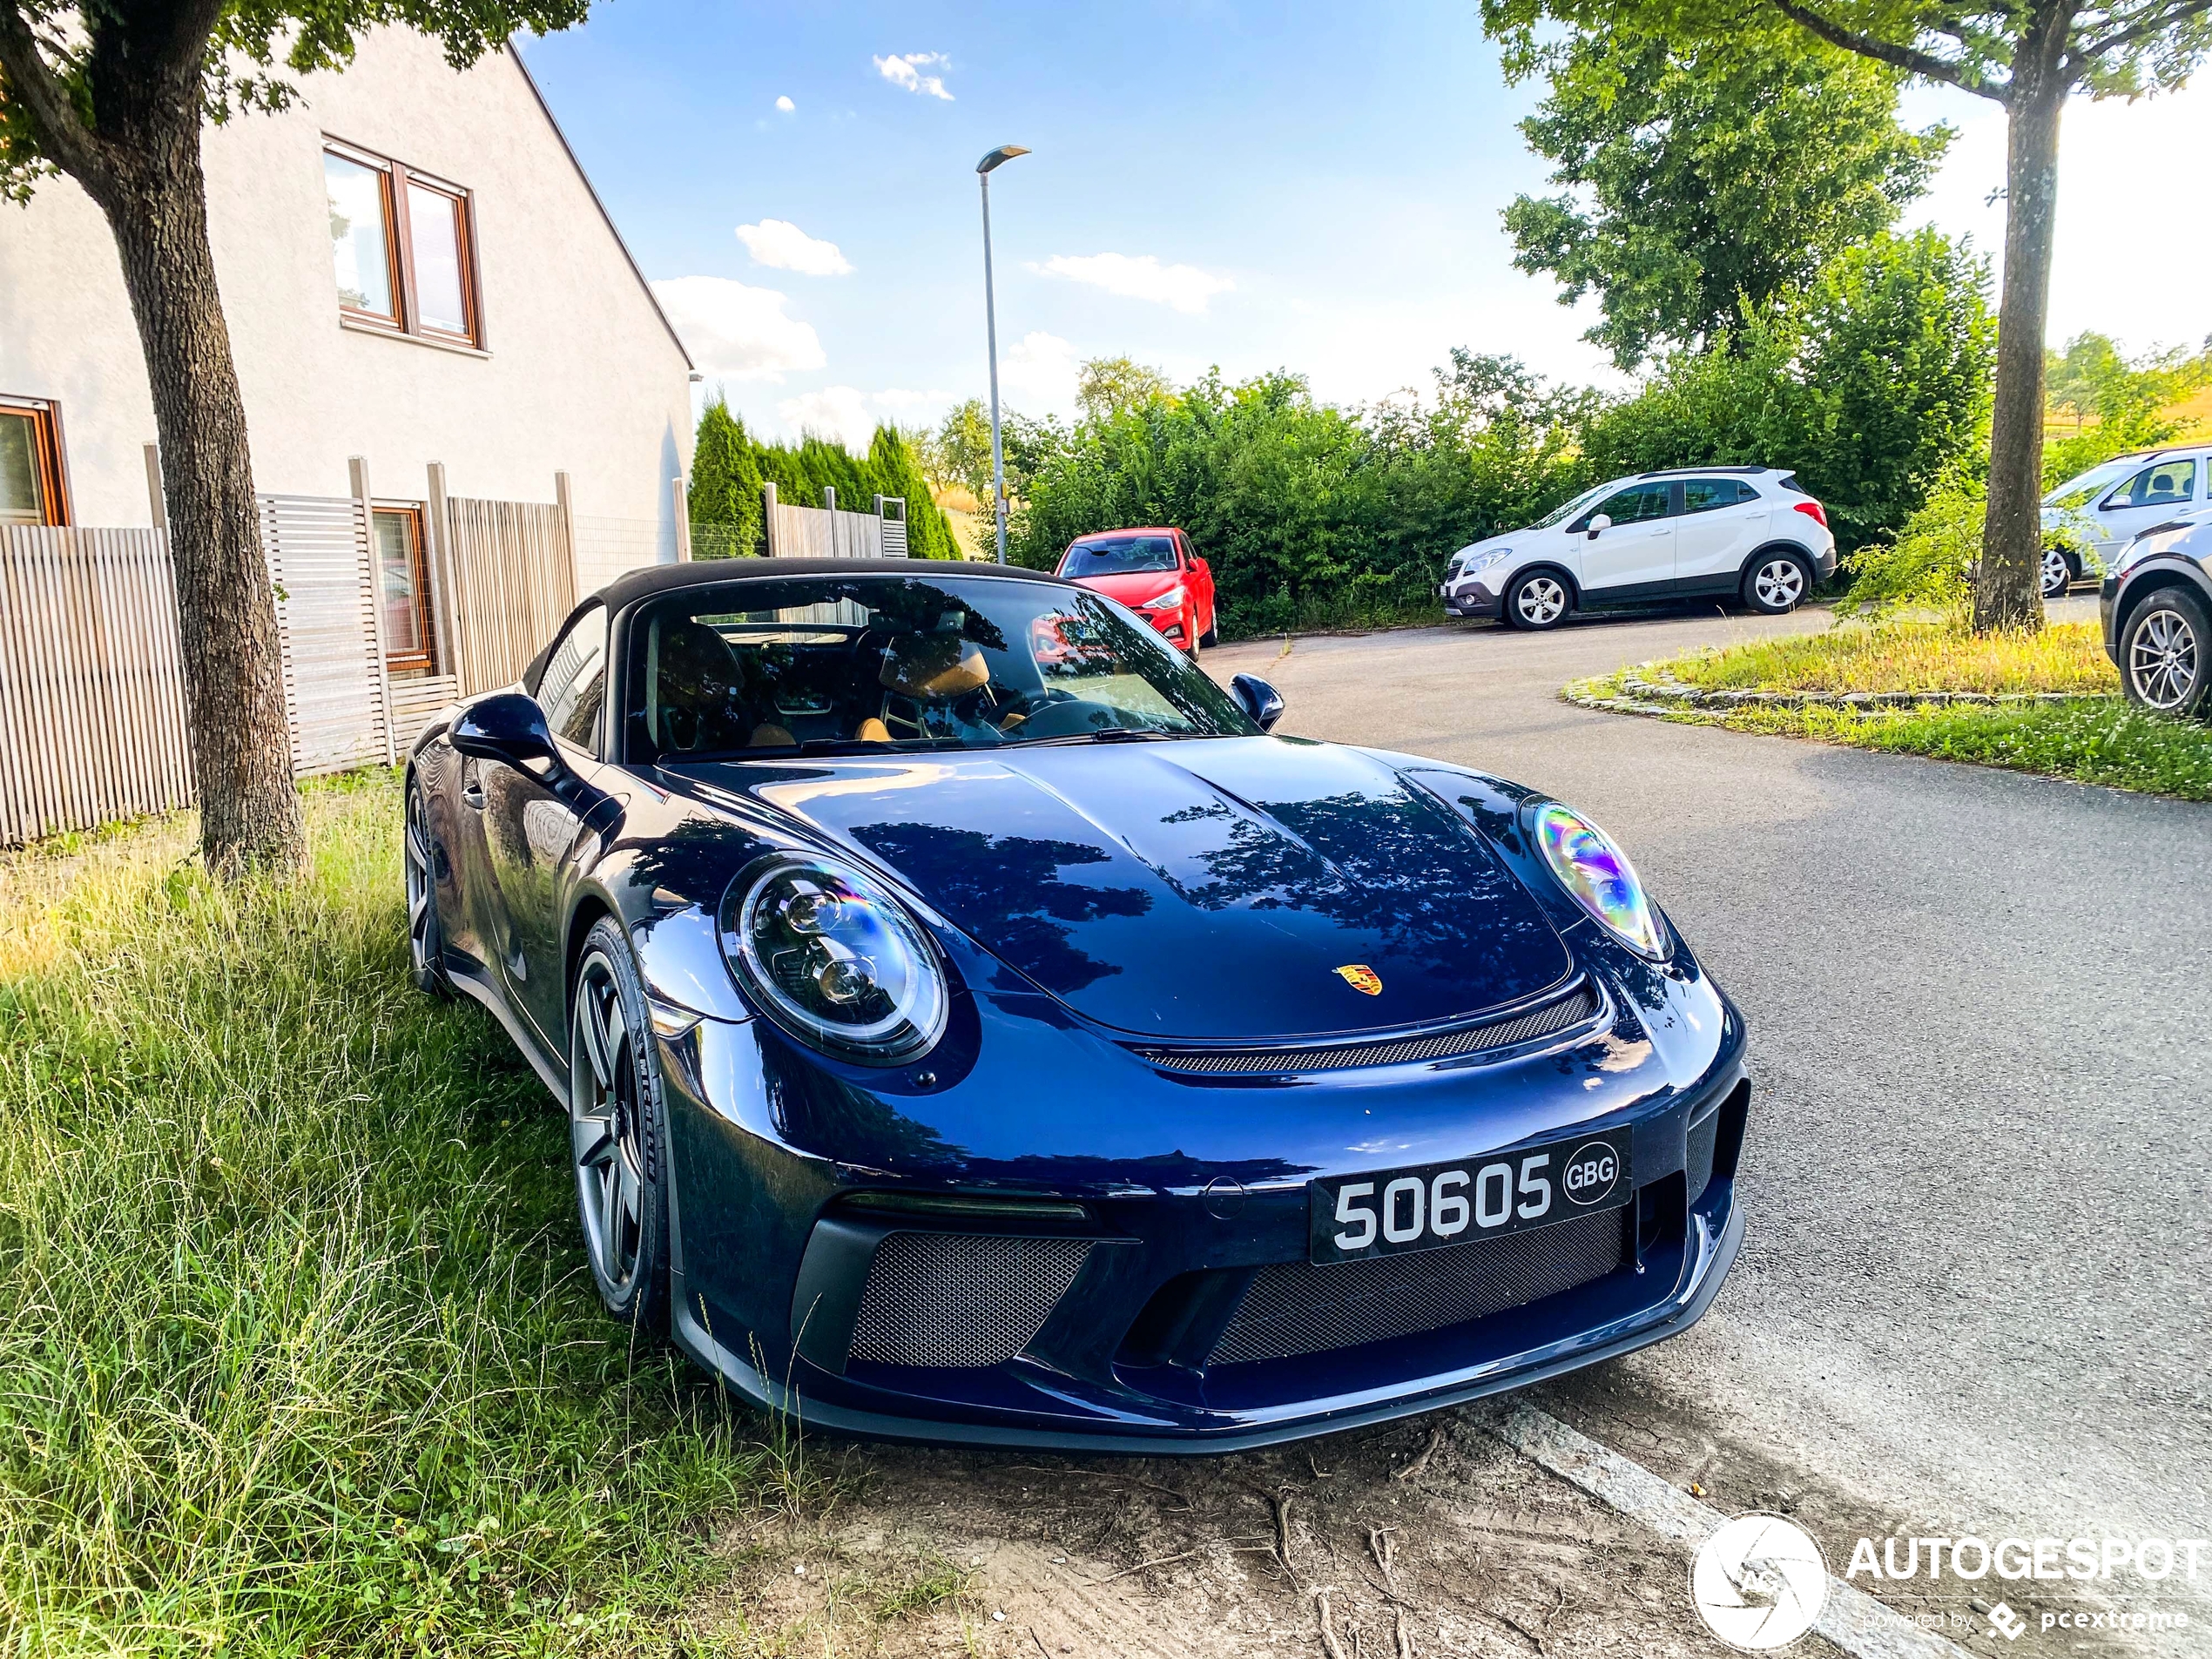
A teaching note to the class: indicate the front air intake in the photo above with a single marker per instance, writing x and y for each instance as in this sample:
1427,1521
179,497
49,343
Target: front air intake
1574,1009
961,1300
1298,1308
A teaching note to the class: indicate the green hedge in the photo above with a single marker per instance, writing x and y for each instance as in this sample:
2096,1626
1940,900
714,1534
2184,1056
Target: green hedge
729,466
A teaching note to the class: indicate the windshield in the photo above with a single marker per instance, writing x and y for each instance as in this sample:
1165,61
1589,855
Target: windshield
2079,492
1119,556
862,664
1572,508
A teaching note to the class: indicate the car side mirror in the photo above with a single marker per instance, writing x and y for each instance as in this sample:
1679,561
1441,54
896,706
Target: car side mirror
1258,698
1602,522
509,727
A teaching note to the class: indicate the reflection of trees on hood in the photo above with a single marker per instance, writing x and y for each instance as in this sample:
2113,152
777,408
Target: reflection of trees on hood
1006,888
1392,863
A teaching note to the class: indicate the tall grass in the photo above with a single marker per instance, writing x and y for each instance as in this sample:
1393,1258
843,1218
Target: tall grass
297,1354
2066,658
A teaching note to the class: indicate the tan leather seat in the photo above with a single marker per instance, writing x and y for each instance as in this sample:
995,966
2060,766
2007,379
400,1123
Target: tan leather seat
872,731
934,667
769,735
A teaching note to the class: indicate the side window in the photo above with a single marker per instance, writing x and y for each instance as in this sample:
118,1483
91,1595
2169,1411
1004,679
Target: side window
1632,506
2163,483
30,464
1705,494
573,689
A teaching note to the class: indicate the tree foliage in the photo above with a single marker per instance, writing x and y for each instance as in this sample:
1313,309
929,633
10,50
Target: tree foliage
1867,385
729,466
1111,386
1308,513
2114,403
1702,173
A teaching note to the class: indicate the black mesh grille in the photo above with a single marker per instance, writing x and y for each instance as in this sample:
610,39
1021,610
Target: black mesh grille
1554,1016
958,1299
1296,1307
1697,1167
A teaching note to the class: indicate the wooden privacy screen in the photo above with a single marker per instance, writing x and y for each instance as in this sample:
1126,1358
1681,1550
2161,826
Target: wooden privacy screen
818,533
324,573
509,581
91,697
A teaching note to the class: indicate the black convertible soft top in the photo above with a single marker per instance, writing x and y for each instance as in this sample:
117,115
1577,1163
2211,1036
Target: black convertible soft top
699,573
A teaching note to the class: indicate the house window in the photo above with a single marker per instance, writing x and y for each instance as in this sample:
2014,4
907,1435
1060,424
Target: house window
401,247
32,490
403,585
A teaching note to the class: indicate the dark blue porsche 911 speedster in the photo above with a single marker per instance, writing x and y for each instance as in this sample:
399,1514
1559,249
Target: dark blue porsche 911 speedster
975,1026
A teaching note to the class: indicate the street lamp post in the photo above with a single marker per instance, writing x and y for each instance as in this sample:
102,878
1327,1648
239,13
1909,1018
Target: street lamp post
984,168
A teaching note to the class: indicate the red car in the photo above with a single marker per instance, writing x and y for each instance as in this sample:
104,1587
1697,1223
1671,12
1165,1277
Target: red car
1154,573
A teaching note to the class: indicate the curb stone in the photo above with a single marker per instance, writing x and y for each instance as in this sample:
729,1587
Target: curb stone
1664,688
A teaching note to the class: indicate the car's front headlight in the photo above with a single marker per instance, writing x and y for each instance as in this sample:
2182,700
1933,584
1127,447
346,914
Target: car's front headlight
1481,562
1599,877
834,960
1168,601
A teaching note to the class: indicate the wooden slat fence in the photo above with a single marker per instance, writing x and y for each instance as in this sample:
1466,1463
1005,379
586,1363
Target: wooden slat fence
325,574
511,581
91,699
818,533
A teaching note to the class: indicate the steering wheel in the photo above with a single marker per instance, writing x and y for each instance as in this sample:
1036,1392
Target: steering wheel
1057,714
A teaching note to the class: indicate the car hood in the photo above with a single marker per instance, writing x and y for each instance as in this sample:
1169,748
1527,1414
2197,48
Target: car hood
1132,588
1214,888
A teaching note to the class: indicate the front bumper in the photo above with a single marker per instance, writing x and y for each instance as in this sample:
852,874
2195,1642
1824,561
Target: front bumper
1469,599
770,1270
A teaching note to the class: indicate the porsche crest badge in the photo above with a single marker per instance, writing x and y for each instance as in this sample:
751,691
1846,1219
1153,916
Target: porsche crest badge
1361,978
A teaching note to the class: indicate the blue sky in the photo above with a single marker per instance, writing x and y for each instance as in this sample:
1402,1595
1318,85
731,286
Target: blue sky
1303,185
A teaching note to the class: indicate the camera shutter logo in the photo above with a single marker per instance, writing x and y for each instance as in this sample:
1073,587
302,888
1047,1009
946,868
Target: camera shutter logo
1759,1583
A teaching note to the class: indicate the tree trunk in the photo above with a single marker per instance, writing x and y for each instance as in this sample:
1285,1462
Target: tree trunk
226,609
2008,588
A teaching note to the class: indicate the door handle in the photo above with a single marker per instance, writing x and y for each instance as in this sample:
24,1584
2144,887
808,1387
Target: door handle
472,794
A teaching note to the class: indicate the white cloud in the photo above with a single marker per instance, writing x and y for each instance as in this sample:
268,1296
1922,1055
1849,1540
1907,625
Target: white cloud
786,105
736,332
905,70
1040,372
1140,277
779,243
902,404
838,413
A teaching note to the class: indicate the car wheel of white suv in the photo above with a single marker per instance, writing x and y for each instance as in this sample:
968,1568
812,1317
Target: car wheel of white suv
1538,600
1776,583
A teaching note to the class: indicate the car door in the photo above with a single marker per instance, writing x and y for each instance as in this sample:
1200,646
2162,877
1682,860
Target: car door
1721,522
1199,575
2153,492
533,822
1633,556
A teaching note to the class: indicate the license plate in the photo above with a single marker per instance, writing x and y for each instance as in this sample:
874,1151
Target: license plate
1394,1211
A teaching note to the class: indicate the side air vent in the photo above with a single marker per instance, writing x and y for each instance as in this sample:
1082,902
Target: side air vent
1572,1009
960,1299
1298,1308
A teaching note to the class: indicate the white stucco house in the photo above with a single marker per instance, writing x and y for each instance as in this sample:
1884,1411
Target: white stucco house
414,270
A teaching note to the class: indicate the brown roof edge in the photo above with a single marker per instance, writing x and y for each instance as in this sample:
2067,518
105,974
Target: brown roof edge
592,191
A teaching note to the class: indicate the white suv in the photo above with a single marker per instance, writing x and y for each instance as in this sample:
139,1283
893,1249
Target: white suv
2099,513
1748,533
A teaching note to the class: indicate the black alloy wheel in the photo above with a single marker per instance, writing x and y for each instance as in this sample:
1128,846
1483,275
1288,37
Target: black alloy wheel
1776,583
1537,601
2166,655
617,1133
424,936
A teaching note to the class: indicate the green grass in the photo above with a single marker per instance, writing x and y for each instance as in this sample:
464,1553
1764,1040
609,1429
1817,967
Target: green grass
1909,657
297,1352
2090,740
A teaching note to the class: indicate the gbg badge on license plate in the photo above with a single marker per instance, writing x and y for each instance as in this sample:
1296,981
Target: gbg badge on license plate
1392,1211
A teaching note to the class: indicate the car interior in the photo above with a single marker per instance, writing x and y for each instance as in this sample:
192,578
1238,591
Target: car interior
924,667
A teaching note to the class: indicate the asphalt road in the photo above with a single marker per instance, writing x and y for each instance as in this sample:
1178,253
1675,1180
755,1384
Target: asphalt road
1977,1286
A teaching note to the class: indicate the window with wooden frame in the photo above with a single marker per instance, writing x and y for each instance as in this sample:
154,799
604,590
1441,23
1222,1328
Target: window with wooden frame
403,589
403,247
34,488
